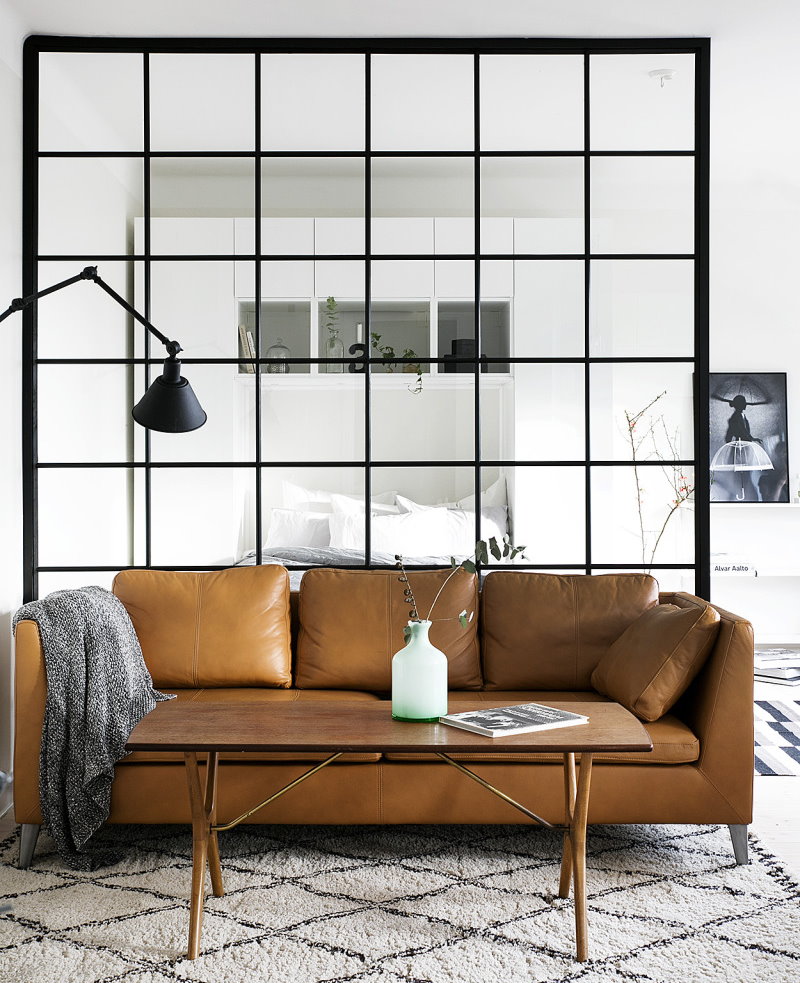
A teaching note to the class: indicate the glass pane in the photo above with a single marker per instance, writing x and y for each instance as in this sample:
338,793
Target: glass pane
399,329
202,102
422,102
86,205
85,516
546,513
50,582
406,195
422,416
197,514
312,419
642,412
642,307
435,520
341,325
642,102
285,334
398,279
547,309
671,580
206,194
315,187
544,197
312,102
550,87
90,101
635,518
301,507
84,412
228,434
642,204
343,280
194,301
83,321
539,414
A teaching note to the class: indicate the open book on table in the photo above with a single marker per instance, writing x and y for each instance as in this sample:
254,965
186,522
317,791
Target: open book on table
520,719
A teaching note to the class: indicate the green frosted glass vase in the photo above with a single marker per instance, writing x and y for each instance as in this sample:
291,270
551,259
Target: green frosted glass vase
419,678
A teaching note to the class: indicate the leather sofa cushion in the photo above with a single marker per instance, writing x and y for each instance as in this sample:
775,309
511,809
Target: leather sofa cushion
351,624
674,743
221,628
655,659
542,631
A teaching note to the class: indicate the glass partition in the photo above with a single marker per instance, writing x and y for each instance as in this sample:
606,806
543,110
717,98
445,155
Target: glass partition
406,277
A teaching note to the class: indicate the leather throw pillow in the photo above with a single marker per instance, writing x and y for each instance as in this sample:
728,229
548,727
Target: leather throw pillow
655,659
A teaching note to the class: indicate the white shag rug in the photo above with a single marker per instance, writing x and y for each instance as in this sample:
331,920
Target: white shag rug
419,904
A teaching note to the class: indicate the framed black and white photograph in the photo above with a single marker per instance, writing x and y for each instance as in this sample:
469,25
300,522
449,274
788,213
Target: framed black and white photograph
748,440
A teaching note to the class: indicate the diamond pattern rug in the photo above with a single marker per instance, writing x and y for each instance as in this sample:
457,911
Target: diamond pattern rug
777,733
411,904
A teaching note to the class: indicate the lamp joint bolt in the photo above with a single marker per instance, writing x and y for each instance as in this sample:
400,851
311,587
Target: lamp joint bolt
173,348
89,273
17,304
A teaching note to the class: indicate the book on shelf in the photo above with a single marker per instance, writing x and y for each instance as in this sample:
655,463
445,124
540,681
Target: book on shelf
247,345
520,719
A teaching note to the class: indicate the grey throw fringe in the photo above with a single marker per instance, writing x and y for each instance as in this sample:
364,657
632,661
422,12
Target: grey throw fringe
98,689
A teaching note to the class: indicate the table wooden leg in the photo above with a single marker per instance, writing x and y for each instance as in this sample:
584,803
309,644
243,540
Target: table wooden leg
200,847
578,839
569,808
211,812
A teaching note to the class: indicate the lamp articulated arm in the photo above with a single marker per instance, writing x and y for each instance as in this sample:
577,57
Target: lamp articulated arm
169,405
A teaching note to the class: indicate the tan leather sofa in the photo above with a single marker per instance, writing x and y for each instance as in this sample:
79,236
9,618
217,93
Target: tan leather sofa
237,635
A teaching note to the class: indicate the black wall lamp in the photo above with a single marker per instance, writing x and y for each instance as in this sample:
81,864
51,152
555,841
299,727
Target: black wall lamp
169,405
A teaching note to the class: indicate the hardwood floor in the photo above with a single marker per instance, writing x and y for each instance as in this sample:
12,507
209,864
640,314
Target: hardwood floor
776,819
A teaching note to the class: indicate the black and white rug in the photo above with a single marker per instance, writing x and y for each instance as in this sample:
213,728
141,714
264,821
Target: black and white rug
777,732
422,904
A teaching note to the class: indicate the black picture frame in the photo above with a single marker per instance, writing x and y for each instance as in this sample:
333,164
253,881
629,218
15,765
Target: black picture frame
748,437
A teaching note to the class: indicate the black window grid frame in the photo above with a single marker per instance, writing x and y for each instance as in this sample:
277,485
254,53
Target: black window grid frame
476,47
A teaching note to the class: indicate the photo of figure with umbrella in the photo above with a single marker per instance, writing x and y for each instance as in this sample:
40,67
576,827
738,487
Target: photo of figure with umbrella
748,443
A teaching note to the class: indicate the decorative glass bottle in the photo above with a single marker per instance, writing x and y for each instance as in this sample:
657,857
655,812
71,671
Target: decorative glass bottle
419,677
278,350
334,349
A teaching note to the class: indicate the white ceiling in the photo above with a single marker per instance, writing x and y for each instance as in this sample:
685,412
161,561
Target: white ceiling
400,17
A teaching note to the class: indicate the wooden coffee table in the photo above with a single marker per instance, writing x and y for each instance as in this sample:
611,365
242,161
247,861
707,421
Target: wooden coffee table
335,729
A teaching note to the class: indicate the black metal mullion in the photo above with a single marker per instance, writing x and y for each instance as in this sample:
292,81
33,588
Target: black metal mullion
587,279
148,479
30,245
257,288
476,205
702,483
367,308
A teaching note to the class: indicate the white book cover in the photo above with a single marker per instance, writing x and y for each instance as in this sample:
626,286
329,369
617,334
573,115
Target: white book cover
520,719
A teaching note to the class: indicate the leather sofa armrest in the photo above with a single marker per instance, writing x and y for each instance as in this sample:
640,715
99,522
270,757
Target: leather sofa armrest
718,707
30,692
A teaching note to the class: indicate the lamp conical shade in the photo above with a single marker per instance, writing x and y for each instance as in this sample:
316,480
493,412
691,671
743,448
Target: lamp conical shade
170,405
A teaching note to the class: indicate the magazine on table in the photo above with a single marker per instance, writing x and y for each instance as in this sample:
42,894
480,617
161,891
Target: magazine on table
520,719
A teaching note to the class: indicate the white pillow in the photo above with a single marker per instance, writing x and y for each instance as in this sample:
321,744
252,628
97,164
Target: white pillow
494,495
347,505
288,527
317,500
426,532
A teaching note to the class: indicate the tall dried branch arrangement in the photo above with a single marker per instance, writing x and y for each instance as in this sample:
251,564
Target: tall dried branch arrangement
650,439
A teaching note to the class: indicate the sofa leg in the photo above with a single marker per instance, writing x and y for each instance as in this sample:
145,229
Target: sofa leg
739,840
27,843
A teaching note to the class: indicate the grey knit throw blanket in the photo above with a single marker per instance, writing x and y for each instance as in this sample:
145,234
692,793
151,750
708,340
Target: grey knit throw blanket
98,689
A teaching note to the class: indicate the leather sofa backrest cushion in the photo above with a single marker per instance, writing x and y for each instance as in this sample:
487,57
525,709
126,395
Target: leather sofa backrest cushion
221,628
655,659
351,624
542,631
